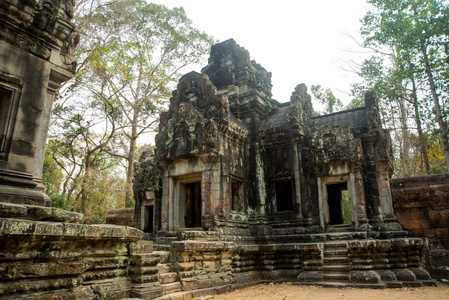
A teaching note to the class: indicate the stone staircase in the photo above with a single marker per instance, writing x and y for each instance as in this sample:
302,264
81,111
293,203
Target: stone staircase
336,265
153,277
341,228
169,280
161,241
144,275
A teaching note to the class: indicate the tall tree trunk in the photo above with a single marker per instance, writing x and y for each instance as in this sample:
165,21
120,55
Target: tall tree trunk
405,135
442,124
130,173
84,185
422,139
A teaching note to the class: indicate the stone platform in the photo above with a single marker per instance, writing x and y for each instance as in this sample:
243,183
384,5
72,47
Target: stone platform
213,262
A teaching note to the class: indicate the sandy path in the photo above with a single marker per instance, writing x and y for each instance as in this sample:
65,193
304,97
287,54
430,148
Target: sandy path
289,292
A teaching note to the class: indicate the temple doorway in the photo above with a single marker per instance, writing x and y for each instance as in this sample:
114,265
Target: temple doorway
284,196
192,217
148,218
340,209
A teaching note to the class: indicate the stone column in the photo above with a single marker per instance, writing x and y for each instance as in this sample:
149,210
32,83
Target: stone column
322,198
260,180
165,202
357,192
383,182
297,159
208,191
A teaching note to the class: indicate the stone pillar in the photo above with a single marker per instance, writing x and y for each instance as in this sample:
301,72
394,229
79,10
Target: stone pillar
357,190
297,159
383,182
260,180
322,205
208,191
165,203
208,199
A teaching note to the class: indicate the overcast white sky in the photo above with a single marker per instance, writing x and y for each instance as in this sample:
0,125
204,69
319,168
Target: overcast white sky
298,41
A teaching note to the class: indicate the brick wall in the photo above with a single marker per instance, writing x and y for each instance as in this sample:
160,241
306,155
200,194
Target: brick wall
421,205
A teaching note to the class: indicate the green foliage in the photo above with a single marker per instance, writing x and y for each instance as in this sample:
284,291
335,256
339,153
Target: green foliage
346,207
129,56
105,191
355,103
132,52
52,175
409,76
327,99
60,201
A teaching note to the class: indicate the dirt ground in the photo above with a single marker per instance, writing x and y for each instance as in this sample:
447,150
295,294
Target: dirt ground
287,291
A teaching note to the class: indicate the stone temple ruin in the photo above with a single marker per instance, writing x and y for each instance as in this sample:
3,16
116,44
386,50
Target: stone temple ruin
241,189
257,187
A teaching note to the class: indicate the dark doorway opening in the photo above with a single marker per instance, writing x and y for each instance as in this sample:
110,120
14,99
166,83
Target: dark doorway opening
340,209
5,116
284,196
237,195
148,218
193,205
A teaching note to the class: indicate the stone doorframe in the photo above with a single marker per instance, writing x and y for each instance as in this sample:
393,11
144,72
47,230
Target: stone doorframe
144,218
184,171
355,192
179,197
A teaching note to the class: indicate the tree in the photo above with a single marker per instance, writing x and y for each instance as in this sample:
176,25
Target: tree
132,52
415,28
52,175
327,99
79,133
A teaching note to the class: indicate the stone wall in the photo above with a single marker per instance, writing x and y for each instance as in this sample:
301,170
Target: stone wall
66,261
421,205
124,217
36,57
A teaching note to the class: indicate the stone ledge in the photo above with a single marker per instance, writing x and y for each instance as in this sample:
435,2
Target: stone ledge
52,230
12,210
38,213
180,246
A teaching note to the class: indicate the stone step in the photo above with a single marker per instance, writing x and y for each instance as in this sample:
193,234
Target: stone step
343,284
199,235
335,277
340,236
161,247
145,260
165,240
341,228
147,290
335,260
335,284
168,234
336,268
163,268
334,253
335,245
169,288
168,278
163,255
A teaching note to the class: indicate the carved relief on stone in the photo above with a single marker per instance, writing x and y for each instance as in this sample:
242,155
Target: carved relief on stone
332,144
191,126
